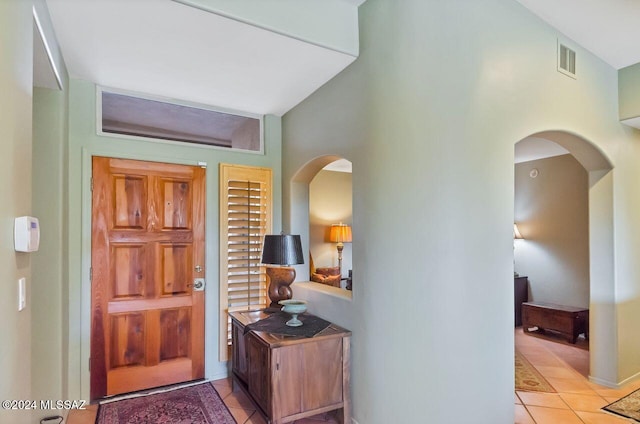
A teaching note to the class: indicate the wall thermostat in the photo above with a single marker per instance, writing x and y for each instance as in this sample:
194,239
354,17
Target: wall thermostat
26,234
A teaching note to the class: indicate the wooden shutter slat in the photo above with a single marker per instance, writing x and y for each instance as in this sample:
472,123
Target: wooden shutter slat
245,218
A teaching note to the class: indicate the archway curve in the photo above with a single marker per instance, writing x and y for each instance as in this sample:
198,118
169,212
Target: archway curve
309,170
602,309
590,156
299,203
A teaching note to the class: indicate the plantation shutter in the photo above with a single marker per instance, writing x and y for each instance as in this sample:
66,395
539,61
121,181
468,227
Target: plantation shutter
245,218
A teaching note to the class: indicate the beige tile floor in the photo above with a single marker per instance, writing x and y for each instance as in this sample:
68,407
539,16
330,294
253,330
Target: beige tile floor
566,367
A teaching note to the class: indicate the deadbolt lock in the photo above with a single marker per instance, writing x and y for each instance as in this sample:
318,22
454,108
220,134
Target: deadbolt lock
198,284
198,268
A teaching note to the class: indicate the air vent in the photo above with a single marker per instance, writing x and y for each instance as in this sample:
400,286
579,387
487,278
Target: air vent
566,60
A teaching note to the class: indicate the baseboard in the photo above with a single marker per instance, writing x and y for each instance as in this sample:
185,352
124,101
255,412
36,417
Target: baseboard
631,379
219,376
604,383
612,385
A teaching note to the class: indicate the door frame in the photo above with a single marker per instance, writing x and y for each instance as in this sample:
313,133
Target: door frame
84,299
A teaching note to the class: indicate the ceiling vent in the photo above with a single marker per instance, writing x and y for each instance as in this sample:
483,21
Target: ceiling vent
566,60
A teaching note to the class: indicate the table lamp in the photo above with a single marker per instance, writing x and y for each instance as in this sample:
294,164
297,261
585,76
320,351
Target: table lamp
516,233
340,233
283,250
516,236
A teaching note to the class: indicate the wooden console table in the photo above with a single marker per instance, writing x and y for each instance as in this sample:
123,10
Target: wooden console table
566,320
292,377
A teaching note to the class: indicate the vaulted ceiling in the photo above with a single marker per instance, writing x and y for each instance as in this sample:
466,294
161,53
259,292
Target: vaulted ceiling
168,48
610,29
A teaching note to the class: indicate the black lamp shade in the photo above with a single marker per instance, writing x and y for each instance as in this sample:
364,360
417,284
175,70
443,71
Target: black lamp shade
283,249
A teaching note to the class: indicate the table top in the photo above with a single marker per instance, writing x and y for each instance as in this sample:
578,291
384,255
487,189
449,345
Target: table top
245,318
556,307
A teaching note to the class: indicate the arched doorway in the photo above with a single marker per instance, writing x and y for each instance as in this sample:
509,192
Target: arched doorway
602,325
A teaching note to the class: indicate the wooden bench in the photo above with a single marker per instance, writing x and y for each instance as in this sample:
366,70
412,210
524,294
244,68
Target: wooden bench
567,320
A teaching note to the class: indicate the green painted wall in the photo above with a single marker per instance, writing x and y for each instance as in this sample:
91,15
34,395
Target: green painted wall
15,200
48,350
629,90
429,115
83,143
329,23
49,281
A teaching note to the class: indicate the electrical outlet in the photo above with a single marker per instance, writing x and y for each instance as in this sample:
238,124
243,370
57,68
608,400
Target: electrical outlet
22,293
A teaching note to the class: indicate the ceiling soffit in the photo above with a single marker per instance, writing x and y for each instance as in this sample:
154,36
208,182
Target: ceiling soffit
168,49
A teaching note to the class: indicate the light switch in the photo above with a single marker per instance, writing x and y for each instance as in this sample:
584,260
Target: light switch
22,293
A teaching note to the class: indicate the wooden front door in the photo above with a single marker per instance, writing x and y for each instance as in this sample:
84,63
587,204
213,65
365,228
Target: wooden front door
147,250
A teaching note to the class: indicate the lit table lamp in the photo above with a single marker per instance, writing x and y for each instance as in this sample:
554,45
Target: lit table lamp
516,233
283,250
516,236
340,233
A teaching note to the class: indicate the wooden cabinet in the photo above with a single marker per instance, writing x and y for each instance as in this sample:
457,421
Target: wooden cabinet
239,358
258,377
520,295
291,377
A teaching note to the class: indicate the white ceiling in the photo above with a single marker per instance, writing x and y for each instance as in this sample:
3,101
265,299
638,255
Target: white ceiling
610,29
165,48
169,51
341,165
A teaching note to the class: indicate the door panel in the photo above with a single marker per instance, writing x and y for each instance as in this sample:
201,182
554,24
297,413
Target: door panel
176,201
174,272
327,362
175,334
127,339
147,241
129,265
130,201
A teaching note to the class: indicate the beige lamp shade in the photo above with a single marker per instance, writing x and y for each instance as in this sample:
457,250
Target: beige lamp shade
340,233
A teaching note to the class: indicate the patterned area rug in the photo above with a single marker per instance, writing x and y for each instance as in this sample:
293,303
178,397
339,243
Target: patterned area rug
196,404
628,406
528,378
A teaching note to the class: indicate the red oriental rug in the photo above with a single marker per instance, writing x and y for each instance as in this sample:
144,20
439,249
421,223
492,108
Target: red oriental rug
195,404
